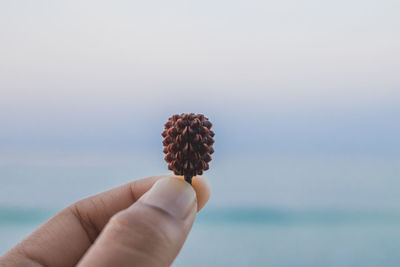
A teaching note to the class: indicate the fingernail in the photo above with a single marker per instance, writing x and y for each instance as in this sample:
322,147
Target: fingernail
173,195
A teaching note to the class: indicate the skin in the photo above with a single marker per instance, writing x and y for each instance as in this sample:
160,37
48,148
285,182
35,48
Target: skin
124,226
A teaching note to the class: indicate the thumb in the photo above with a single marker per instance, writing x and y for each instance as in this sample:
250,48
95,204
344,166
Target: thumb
150,232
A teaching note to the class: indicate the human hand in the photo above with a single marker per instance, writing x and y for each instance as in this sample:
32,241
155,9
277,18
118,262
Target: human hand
142,223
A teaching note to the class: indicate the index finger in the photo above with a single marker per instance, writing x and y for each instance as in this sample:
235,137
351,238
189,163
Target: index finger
63,239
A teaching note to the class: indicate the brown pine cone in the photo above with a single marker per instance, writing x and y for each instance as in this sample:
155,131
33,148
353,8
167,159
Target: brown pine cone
188,141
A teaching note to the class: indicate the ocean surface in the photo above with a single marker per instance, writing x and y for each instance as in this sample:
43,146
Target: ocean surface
288,212
258,237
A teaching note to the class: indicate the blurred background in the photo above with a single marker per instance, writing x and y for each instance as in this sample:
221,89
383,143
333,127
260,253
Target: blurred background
304,97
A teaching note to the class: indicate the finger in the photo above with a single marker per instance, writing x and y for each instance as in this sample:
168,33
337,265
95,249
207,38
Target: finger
63,239
150,232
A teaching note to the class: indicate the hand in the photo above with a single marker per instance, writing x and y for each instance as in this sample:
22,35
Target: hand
142,223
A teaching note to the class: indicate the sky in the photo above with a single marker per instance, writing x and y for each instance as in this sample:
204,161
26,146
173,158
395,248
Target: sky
286,83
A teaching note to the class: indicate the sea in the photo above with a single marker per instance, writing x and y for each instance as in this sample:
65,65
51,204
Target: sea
264,238
315,220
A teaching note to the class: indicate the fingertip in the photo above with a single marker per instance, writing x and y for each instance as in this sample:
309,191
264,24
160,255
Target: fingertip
202,189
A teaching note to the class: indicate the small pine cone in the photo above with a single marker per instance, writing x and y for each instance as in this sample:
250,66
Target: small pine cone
188,141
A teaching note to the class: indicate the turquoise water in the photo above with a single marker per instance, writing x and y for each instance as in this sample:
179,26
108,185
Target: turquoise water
262,237
231,244
286,212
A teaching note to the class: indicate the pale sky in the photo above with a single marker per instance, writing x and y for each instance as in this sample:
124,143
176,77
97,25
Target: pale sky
312,70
